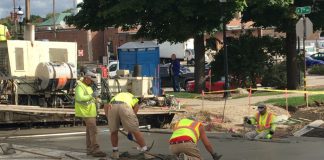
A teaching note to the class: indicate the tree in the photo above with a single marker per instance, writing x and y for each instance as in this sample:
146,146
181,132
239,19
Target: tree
281,14
164,20
249,58
35,19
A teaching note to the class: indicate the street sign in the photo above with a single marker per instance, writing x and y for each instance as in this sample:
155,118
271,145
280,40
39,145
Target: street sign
300,28
303,10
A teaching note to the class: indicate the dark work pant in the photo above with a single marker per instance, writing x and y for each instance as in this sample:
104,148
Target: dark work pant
176,83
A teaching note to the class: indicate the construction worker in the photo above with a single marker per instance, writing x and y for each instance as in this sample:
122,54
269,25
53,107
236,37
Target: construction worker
85,108
4,33
265,124
123,108
183,141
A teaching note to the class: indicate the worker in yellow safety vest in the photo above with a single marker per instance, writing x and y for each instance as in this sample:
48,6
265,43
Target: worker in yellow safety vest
122,109
265,124
85,108
183,141
4,33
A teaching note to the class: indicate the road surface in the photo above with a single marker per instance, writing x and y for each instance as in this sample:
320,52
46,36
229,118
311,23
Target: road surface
232,149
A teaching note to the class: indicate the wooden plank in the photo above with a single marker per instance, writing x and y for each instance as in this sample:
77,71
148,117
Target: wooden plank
70,111
308,128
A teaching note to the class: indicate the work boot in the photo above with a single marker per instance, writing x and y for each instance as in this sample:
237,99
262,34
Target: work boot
115,154
98,154
182,156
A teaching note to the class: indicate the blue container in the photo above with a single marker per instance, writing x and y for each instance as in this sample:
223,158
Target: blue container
147,55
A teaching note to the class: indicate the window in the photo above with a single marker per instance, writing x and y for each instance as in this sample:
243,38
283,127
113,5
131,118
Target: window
19,52
58,55
113,67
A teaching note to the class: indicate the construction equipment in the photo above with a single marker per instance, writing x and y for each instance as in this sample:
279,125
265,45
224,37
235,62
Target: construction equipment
37,72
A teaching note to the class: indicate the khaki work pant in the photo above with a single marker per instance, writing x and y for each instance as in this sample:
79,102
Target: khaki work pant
122,113
91,135
188,148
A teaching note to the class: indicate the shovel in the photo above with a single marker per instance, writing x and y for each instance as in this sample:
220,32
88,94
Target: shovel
148,148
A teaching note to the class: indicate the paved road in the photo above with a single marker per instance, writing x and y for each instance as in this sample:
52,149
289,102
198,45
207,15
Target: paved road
232,149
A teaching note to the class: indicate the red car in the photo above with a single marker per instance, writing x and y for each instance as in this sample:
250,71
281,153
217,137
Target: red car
215,86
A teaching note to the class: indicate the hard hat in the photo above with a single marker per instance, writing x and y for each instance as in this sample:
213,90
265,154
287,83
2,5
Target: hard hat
91,75
261,107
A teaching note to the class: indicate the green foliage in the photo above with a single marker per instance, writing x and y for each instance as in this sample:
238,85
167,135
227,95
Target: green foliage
317,69
275,76
248,59
184,94
296,101
165,20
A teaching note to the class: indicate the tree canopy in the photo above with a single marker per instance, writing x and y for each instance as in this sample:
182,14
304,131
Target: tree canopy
164,20
249,57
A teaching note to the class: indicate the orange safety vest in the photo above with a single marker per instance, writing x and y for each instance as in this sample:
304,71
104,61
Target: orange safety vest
187,127
267,125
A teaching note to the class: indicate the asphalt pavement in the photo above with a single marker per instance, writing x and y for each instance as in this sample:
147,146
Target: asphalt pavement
73,140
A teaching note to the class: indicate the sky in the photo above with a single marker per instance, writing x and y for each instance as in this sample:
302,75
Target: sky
38,7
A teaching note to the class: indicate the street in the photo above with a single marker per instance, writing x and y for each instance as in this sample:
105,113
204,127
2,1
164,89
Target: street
73,140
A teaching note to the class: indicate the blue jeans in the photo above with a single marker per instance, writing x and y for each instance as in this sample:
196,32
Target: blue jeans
175,83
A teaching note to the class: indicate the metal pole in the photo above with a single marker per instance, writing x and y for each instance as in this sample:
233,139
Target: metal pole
226,87
304,52
54,20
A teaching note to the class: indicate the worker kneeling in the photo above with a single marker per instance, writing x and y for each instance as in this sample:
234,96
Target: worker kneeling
123,109
183,141
265,124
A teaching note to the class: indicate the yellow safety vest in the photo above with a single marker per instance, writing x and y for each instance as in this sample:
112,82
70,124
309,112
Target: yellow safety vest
263,122
3,32
187,127
125,97
84,102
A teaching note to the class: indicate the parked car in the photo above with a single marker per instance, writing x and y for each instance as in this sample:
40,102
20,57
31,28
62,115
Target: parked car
318,56
311,62
214,86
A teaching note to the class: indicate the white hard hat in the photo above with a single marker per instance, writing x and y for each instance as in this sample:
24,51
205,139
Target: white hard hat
91,75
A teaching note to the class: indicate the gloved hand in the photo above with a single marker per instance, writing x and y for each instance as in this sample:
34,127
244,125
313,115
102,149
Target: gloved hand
216,156
271,132
130,136
247,120
95,94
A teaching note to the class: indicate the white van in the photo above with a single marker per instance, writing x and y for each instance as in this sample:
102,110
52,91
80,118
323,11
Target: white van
112,68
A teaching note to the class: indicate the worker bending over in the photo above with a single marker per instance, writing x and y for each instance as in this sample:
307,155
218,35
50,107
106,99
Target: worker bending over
265,124
85,108
122,109
183,141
